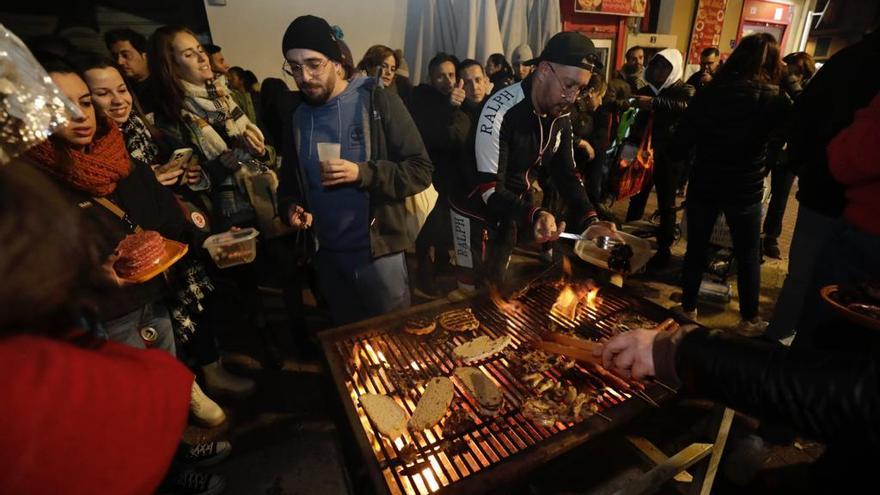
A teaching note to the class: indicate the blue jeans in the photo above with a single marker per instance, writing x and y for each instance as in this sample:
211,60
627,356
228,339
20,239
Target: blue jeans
357,287
850,256
745,231
126,329
811,232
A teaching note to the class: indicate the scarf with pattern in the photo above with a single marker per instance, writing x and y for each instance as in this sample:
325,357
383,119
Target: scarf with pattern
139,141
210,107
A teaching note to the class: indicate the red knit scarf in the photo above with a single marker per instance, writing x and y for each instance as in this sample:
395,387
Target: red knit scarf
95,169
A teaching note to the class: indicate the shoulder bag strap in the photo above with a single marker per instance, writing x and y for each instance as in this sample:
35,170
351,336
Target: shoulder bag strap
116,210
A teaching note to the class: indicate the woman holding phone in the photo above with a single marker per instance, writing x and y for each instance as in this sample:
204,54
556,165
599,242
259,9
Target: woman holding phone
169,159
182,174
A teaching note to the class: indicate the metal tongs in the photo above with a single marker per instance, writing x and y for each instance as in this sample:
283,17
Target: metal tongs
603,242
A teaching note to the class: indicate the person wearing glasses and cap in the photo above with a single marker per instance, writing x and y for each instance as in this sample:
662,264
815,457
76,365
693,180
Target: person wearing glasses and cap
352,155
523,129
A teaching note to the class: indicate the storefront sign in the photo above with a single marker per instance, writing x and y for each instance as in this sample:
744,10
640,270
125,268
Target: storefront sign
616,7
707,28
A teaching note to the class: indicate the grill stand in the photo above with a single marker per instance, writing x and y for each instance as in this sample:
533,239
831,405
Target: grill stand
489,477
675,467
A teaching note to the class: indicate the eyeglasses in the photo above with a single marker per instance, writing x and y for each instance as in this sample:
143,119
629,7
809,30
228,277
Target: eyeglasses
574,92
313,67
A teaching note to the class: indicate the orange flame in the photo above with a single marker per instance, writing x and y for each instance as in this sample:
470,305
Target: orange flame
566,304
505,306
592,299
570,297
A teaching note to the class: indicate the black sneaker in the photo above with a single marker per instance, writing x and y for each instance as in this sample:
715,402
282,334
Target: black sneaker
771,249
660,259
191,482
205,454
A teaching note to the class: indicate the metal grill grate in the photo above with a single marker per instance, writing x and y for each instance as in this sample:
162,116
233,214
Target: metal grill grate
372,355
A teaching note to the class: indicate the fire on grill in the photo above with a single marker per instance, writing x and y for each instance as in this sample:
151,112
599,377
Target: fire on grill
509,394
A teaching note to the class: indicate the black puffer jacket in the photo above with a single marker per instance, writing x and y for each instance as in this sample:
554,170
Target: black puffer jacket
667,108
827,105
729,124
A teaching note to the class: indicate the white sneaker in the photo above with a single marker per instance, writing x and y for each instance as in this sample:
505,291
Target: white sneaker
203,409
751,328
219,381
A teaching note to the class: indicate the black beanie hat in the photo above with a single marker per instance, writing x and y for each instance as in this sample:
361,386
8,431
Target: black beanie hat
312,33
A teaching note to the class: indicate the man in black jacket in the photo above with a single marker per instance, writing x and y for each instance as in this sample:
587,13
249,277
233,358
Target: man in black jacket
832,397
522,128
709,63
354,158
662,103
436,110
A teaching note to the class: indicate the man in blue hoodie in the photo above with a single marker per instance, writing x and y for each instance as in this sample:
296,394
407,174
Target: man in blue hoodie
356,197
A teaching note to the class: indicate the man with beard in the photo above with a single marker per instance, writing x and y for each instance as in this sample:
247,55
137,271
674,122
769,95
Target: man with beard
710,61
523,129
355,191
129,50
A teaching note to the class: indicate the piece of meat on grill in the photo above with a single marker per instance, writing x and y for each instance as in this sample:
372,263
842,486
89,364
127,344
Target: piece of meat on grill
420,325
457,423
479,387
459,320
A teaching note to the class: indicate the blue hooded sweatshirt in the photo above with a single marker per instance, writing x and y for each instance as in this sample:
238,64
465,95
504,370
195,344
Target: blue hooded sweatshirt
341,213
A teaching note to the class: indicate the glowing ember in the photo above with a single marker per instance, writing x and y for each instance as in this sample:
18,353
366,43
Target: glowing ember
429,477
414,365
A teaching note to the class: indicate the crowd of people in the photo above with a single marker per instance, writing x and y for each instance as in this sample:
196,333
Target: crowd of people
328,173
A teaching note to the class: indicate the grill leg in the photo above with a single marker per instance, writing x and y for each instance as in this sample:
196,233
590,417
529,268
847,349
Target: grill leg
675,467
705,476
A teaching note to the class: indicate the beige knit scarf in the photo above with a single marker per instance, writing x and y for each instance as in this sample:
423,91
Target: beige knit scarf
211,106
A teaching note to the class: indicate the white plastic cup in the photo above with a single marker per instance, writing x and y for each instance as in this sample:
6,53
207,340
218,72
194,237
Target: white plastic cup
329,151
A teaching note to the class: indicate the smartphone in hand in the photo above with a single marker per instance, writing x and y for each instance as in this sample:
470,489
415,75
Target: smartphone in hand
178,160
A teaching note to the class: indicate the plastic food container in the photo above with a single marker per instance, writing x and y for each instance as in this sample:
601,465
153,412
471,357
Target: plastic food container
233,248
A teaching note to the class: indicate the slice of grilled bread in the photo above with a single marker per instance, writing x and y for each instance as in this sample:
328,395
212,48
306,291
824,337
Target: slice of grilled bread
420,325
386,414
480,348
459,320
479,387
433,404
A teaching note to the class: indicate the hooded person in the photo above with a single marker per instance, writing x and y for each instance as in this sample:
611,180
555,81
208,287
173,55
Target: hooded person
662,102
355,188
522,53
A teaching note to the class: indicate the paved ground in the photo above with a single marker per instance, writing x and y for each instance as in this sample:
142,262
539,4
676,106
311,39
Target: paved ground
288,438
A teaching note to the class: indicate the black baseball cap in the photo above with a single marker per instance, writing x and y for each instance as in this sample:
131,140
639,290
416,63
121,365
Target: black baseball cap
569,48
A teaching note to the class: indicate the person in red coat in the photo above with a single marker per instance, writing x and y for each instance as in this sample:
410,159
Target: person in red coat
79,415
854,160
853,256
